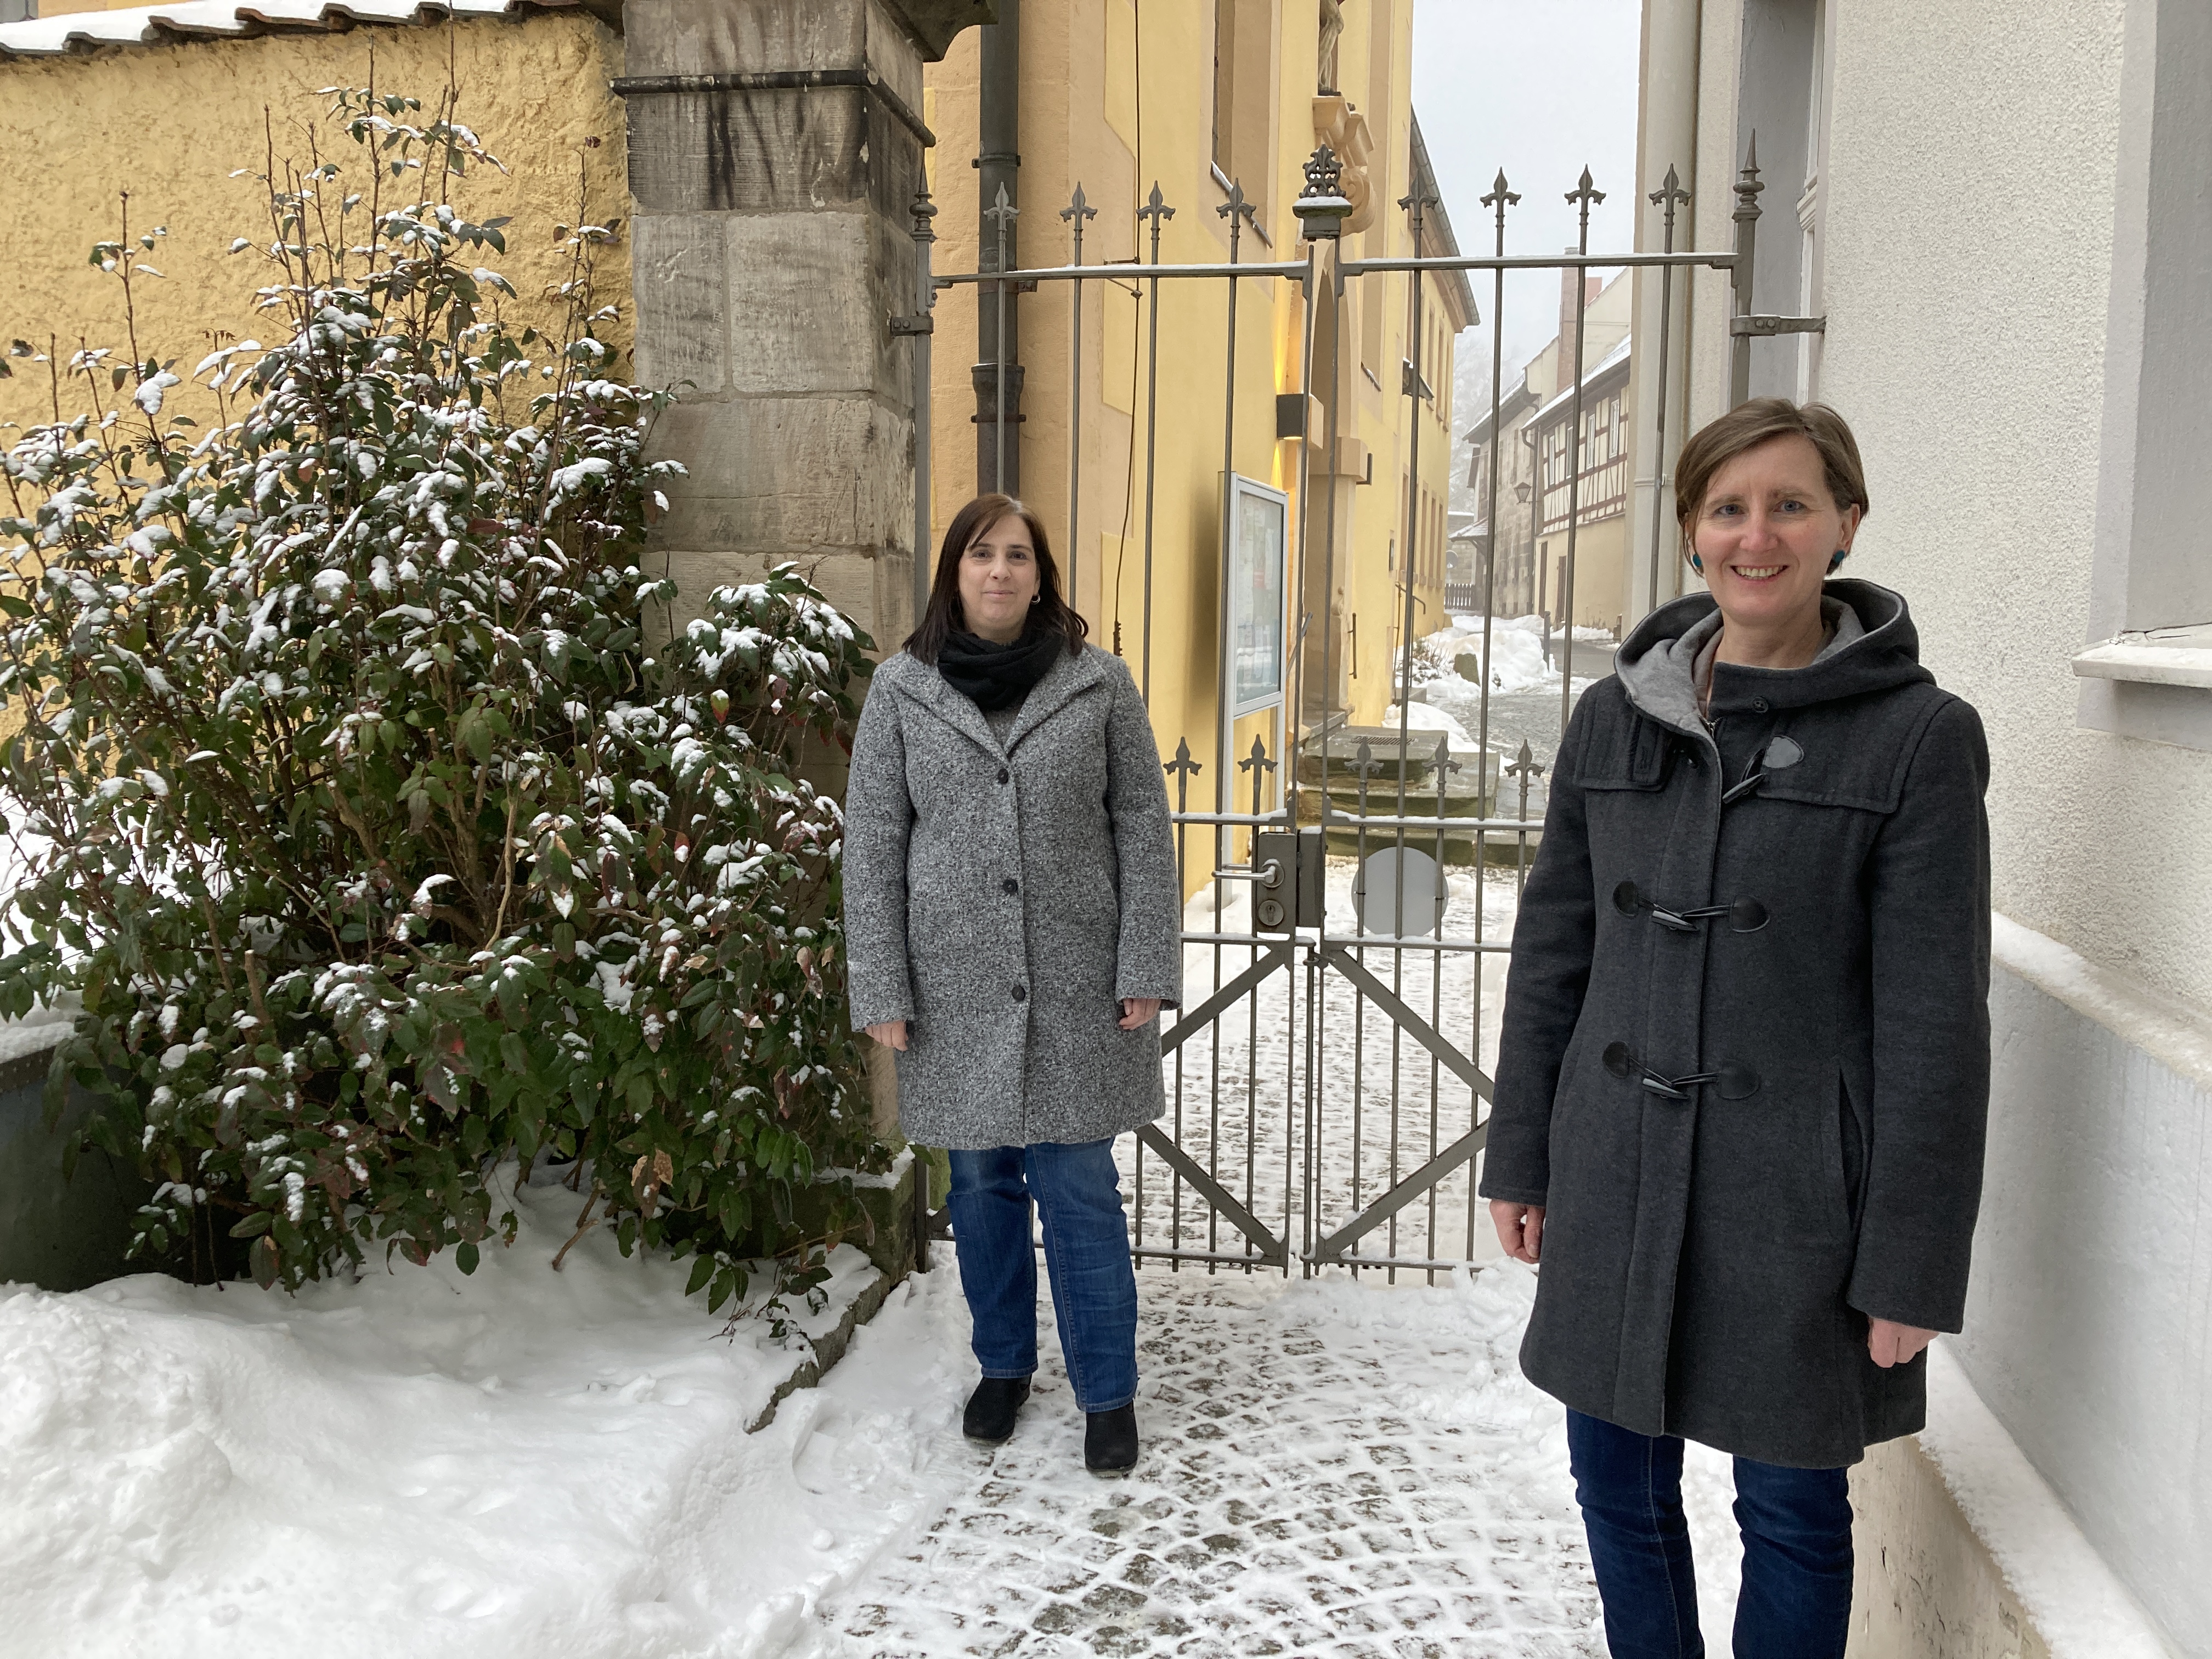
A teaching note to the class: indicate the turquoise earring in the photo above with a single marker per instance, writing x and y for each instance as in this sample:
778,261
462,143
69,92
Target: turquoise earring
1836,563
1697,564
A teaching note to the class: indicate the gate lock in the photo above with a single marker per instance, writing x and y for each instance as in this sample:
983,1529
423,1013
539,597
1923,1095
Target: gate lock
1290,879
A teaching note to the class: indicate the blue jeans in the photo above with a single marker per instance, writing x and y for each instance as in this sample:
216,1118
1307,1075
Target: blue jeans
1796,1525
1086,1250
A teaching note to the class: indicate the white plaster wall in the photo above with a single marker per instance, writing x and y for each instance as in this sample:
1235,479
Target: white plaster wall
2089,1318
1973,167
1972,179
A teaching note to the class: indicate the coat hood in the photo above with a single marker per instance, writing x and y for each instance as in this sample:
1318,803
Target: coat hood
1881,653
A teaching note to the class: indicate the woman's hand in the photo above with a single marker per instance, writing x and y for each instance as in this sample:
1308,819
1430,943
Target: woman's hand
1137,1011
1892,1344
1520,1229
891,1033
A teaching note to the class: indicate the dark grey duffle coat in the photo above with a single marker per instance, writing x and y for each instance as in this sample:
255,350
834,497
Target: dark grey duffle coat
1751,1131
1003,899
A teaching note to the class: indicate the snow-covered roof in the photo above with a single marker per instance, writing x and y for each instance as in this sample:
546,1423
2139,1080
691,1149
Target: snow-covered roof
1605,364
203,19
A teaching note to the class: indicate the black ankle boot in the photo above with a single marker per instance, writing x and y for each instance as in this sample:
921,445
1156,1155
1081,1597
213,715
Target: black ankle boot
1109,1441
993,1407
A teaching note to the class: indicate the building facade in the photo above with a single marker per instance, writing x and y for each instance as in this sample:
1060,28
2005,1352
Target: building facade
1550,473
2034,457
1128,445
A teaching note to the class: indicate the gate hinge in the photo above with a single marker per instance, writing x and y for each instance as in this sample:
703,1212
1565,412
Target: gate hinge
1762,325
922,324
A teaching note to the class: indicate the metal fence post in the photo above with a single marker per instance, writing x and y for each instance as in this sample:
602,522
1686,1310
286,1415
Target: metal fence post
1748,187
925,210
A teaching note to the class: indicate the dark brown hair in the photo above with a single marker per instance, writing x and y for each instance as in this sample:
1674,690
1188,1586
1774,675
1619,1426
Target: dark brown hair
945,616
1750,424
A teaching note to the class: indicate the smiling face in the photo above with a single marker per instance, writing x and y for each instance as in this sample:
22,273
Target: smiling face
1766,533
998,580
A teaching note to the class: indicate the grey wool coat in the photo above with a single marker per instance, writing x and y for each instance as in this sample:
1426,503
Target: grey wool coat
1752,1130
1002,900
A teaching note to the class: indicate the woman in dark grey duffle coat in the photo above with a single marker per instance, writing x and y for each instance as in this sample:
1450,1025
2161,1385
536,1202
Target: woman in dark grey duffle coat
1012,920
1744,1070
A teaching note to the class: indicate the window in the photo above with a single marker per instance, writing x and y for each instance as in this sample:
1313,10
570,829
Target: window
1243,146
1224,84
2147,670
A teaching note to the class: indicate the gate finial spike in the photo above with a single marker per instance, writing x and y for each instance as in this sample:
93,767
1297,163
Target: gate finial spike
1003,209
1236,207
1077,208
1586,192
1500,194
1157,208
1183,764
1670,191
1258,757
1748,184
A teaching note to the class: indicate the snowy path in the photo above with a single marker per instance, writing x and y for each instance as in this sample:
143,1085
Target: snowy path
1329,1469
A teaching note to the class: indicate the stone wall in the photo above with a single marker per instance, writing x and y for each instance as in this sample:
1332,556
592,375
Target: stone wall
772,246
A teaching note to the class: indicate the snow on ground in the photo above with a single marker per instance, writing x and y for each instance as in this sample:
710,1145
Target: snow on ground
423,1463
520,1464
1421,717
1329,1469
1516,649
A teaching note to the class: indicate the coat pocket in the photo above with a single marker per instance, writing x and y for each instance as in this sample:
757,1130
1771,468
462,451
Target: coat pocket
1844,1152
1632,754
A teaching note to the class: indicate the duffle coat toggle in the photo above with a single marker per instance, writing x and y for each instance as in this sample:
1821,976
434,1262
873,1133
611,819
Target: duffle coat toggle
1745,916
1736,1082
1780,753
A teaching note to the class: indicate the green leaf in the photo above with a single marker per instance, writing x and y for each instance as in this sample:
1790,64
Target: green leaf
725,1285
702,1271
464,1258
253,1226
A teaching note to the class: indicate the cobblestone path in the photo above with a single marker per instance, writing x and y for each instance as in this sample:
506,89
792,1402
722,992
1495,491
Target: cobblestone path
1328,1469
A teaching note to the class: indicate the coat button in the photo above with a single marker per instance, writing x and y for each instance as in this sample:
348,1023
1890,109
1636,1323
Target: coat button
1759,705
1011,886
1003,774
1020,995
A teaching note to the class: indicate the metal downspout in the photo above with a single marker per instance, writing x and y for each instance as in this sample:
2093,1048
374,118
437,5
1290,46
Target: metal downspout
998,375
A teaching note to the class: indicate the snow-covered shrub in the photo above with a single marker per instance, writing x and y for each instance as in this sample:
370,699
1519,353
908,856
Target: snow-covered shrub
378,846
1430,660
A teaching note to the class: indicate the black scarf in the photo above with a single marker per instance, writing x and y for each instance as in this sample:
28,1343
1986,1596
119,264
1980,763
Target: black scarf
995,677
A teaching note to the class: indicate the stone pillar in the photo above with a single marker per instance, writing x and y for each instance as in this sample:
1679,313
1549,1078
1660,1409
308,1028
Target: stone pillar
775,151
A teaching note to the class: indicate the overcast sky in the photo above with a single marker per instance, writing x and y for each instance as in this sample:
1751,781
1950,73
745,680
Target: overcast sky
1542,88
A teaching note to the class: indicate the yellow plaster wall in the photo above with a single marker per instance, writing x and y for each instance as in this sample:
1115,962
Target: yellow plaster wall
1084,62
170,123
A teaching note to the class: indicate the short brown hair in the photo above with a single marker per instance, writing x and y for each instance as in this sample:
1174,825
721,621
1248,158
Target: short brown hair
1750,424
945,614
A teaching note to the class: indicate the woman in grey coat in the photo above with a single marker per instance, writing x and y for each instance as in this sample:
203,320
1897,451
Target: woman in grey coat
1011,919
1744,1070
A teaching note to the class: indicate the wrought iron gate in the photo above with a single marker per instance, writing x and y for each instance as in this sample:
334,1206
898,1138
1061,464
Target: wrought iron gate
1343,981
